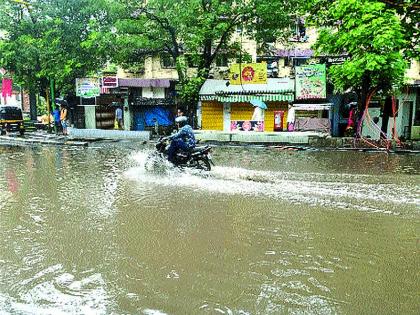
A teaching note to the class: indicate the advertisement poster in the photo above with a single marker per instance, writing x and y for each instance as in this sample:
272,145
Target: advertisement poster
247,125
87,87
311,82
248,73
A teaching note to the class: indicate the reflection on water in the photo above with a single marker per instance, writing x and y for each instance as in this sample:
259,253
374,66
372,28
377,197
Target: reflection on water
90,231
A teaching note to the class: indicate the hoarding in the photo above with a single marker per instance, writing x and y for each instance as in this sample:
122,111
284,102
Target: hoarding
248,73
87,87
311,82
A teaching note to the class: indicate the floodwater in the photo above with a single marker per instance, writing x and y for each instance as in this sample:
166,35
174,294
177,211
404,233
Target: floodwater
90,231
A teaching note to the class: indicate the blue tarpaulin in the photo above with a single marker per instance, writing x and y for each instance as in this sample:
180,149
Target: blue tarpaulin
161,114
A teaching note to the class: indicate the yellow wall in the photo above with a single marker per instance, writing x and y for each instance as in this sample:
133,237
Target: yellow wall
211,115
244,111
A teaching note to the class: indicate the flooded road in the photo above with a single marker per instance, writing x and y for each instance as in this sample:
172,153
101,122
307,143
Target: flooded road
90,231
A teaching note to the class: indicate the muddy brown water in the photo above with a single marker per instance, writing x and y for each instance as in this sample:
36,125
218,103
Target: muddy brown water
90,231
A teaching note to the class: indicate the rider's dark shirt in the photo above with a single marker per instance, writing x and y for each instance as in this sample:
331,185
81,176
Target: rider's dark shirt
186,134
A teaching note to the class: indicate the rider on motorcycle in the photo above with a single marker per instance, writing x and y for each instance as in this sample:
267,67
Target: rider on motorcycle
183,140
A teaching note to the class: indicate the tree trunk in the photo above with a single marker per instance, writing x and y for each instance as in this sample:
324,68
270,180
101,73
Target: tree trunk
363,97
386,113
32,105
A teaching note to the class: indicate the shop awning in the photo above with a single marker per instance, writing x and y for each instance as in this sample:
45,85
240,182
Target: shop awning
136,82
264,97
276,89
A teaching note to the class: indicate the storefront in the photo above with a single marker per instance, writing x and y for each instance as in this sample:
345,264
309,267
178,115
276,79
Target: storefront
223,105
149,103
313,117
311,110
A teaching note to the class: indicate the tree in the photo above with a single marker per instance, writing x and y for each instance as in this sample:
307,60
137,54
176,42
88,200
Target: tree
52,40
196,31
372,37
409,13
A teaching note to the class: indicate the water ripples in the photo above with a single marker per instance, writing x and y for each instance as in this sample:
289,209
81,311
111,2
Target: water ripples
53,291
92,232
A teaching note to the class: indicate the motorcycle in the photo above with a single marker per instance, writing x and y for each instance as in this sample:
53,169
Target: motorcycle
199,158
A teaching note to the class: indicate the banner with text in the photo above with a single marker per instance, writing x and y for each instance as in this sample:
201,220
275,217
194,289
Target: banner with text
88,87
311,82
248,73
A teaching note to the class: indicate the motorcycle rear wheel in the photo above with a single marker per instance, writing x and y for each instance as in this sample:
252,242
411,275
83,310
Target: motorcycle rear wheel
203,163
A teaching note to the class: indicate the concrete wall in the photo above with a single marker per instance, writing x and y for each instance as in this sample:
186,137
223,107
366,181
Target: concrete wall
153,92
403,116
109,134
90,117
413,73
128,118
259,137
369,130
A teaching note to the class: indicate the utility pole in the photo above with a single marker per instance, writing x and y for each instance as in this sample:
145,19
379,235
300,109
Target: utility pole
52,89
47,92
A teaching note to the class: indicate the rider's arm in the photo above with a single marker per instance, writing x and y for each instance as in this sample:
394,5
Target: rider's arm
177,135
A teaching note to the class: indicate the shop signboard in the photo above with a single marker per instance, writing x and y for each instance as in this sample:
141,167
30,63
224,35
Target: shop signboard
337,60
87,87
109,82
248,73
311,82
247,125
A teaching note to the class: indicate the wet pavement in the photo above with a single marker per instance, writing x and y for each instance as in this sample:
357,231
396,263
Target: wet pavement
267,231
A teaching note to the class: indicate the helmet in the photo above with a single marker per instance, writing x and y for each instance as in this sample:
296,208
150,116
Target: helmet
181,121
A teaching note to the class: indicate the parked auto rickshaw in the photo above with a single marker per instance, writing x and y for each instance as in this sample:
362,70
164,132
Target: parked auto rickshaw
11,119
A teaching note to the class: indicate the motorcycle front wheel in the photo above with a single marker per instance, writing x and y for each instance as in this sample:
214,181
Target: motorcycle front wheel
203,163
154,162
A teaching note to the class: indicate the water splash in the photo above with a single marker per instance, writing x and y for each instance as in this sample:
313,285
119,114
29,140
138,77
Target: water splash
338,191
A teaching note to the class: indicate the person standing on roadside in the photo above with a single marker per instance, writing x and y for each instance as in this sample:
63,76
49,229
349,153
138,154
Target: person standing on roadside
291,118
119,117
57,120
63,119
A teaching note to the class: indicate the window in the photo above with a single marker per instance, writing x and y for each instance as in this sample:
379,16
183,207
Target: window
298,30
272,66
295,61
167,62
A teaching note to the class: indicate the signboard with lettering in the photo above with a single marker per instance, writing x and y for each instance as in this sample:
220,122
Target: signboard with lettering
311,82
109,82
337,60
248,73
88,87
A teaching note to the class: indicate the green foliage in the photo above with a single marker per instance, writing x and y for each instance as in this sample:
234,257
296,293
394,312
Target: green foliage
53,39
373,38
41,107
409,13
201,29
